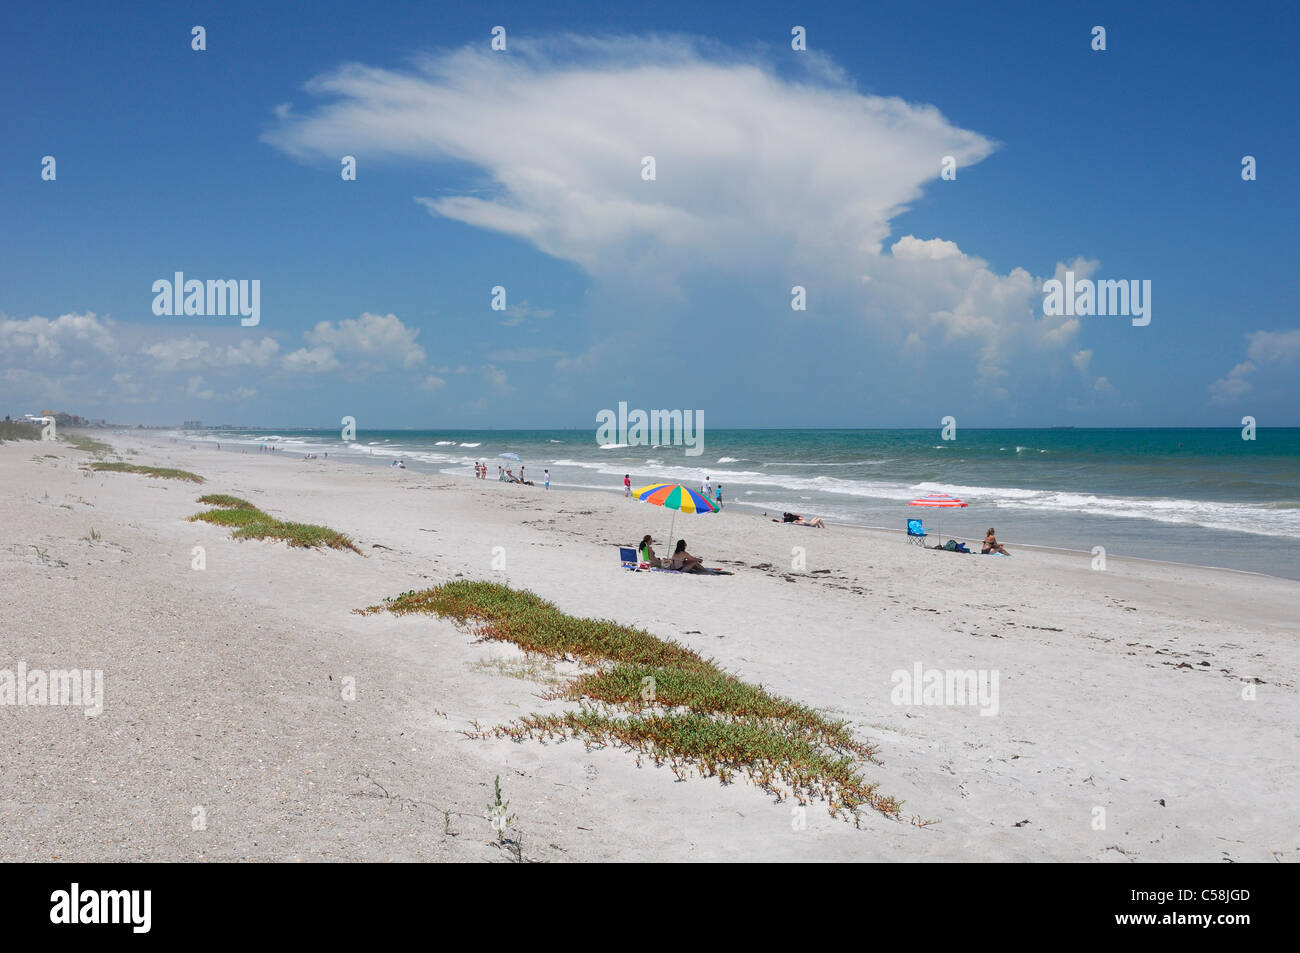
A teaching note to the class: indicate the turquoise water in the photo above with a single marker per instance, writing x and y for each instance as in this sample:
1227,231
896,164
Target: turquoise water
1202,496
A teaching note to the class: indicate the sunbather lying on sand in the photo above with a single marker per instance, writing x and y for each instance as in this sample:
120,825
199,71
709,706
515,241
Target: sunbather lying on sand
798,520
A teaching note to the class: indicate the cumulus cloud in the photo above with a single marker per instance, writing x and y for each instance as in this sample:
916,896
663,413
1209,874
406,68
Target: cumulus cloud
173,353
1263,348
758,173
68,340
911,248
360,346
745,160
1269,346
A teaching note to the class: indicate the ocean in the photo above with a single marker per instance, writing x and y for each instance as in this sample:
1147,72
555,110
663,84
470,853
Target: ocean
1200,496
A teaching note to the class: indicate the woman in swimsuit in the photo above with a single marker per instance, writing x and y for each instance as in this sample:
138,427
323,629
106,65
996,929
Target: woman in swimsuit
991,545
684,561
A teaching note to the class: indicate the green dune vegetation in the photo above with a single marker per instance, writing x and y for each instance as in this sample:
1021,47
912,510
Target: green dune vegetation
251,523
662,700
165,473
88,444
18,430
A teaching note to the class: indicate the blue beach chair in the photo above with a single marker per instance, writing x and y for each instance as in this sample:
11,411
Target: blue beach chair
916,532
628,556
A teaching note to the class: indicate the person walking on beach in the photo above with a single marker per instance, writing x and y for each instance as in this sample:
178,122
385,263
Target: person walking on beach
719,496
627,484
547,474
707,488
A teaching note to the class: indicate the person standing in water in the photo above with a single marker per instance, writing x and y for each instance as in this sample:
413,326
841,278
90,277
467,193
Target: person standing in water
547,474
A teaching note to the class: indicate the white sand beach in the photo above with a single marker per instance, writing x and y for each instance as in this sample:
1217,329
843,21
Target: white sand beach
1121,734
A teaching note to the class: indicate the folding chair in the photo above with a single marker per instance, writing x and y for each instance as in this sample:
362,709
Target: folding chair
916,532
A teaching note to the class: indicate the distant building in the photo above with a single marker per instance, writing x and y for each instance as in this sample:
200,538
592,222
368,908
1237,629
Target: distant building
192,425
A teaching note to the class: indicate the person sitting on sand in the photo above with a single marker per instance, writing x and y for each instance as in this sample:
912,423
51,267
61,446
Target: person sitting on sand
646,552
684,561
991,545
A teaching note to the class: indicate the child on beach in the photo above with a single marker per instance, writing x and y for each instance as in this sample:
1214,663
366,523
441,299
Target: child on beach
627,484
719,496
547,474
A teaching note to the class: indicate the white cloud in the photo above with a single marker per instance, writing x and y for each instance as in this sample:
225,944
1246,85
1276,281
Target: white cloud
1269,346
68,341
910,248
496,381
369,344
759,174
746,160
194,388
190,351
1263,348
311,360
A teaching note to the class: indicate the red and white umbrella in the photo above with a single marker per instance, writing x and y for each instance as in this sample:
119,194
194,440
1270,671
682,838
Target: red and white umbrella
938,501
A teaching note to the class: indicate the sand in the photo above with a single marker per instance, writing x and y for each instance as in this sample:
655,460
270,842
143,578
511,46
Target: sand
1124,730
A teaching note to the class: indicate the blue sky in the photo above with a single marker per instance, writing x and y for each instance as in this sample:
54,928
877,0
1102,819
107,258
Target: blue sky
773,168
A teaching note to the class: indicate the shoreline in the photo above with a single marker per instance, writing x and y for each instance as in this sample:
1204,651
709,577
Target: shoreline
748,509
1120,689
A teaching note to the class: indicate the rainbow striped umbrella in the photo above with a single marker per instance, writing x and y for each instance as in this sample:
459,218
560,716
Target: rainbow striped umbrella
674,496
938,501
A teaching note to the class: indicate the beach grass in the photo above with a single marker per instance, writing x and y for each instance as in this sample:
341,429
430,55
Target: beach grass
225,499
17,430
164,473
662,700
251,523
89,444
